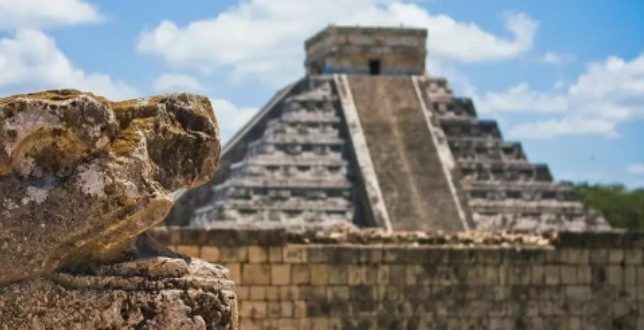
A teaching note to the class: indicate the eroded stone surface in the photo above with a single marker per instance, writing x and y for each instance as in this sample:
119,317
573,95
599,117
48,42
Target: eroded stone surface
81,177
151,293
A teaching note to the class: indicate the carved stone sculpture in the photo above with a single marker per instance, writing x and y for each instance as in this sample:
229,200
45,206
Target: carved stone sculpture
80,179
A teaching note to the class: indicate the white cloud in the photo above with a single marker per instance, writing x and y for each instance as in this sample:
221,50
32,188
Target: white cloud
554,58
31,60
231,117
174,82
565,126
606,95
17,14
264,39
468,43
637,169
521,98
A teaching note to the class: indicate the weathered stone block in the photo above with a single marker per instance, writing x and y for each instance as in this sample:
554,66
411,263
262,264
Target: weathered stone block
338,274
300,274
357,275
210,253
615,256
233,253
289,292
383,274
375,255
371,274
538,275
257,292
599,256
398,274
552,275
412,272
310,292
630,276
634,257
275,254
280,274
253,309
299,309
189,250
318,254
569,275
286,308
344,254
243,292
640,276
319,274
578,292
574,323
337,292
274,311
584,275
272,292
257,254
289,324
295,254
490,275
394,255
577,256
319,323
615,275
489,256
256,274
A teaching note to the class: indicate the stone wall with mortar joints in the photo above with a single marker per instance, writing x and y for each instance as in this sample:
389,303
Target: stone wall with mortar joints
300,281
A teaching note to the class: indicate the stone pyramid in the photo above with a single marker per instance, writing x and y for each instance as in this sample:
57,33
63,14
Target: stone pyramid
367,137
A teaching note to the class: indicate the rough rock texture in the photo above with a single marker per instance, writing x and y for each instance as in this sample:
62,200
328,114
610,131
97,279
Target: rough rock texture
144,292
80,179
81,176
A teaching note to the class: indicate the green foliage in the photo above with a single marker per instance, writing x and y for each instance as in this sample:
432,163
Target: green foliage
621,207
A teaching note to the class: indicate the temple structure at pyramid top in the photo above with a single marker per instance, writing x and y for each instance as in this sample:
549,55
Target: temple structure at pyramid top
368,138
354,50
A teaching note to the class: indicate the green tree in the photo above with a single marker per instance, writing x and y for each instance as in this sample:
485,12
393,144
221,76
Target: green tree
622,208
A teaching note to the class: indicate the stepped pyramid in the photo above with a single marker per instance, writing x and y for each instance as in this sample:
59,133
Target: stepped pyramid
367,137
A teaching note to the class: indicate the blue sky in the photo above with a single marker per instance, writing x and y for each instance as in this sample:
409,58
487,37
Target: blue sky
566,78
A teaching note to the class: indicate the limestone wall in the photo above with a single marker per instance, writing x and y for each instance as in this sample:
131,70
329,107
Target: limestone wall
367,281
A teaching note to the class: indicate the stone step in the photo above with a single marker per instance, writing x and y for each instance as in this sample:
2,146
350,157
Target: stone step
285,139
336,204
288,183
503,170
514,206
534,222
285,160
455,107
466,127
517,190
277,217
473,148
287,171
